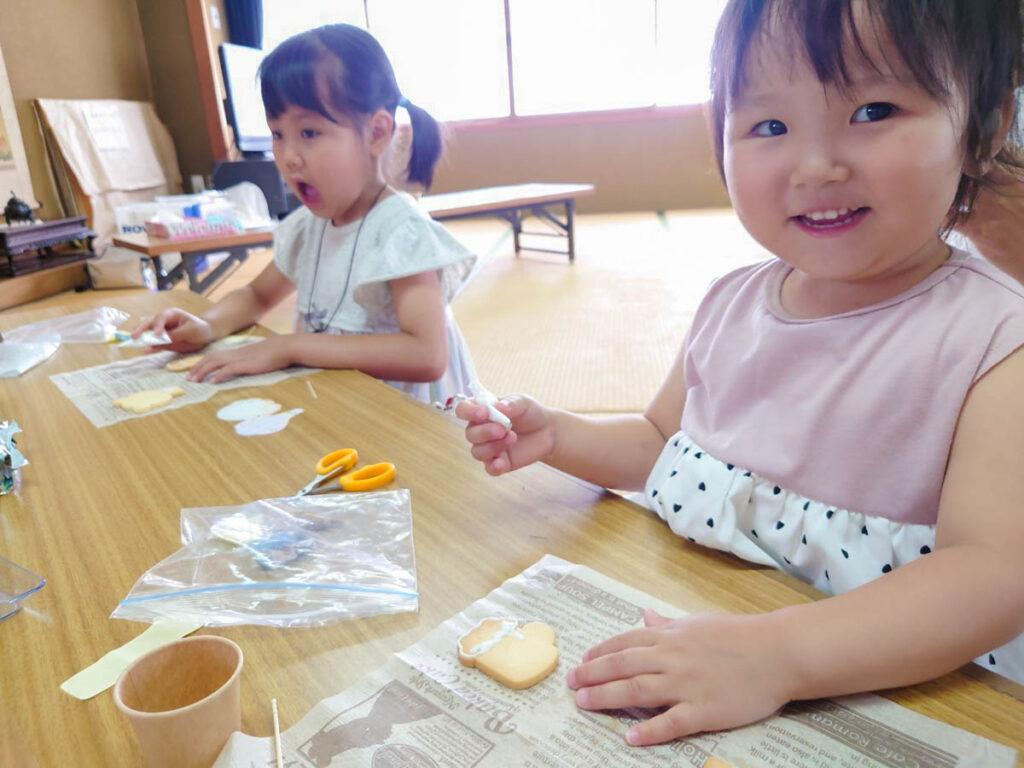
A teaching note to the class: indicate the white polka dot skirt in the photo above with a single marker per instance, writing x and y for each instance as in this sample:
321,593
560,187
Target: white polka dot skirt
729,508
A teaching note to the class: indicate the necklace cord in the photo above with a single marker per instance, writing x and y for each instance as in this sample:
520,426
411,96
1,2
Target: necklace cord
320,328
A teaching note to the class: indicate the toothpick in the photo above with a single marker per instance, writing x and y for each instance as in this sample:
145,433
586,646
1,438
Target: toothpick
277,733
311,390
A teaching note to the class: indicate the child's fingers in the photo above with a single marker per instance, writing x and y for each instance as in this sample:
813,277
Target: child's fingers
159,324
220,369
203,368
513,406
645,690
472,411
488,451
628,664
143,325
475,412
499,465
485,432
653,619
167,322
634,638
228,371
683,719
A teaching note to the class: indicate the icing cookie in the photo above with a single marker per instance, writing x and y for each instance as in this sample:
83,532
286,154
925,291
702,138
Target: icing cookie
141,402
517,657
183,363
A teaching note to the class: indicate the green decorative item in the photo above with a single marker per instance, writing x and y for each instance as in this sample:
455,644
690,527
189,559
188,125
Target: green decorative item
10,457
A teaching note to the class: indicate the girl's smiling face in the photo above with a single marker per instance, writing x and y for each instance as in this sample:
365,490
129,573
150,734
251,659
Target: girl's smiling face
329,165
849,185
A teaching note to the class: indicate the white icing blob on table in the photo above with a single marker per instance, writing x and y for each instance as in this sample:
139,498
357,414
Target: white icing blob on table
266,425
250,408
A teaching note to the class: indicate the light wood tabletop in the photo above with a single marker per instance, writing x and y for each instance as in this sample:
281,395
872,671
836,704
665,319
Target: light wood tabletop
193,253
96,508
157,246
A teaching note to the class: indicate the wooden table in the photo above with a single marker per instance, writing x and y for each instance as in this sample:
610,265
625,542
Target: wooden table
98,507
193,252
513,203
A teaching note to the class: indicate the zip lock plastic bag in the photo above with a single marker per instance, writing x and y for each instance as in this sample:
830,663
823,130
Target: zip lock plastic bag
17,357
24,347
290,562
89,327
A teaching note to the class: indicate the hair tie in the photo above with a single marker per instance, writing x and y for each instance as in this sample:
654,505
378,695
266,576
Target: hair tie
403,102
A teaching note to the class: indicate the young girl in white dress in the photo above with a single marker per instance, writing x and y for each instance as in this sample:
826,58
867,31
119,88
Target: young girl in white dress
374,274
849,411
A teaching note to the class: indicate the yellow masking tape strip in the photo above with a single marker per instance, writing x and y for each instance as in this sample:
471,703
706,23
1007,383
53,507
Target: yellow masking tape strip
102,674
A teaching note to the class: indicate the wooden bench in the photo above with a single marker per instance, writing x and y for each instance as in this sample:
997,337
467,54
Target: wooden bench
514,203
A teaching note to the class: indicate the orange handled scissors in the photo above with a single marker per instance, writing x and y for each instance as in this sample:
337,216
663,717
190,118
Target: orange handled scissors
340,462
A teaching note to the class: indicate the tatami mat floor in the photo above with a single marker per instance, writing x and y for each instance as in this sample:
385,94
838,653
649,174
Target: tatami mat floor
597,335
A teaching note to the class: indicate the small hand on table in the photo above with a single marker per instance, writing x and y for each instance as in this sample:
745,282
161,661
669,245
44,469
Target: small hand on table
268,355
712,672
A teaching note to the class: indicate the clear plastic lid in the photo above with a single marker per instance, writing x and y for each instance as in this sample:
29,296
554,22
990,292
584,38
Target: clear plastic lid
16,583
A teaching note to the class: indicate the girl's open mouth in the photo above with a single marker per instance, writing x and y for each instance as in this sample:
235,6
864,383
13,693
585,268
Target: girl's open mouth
308,194
831,222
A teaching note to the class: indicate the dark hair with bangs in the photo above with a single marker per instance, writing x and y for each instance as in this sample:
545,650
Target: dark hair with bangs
973,45
348,67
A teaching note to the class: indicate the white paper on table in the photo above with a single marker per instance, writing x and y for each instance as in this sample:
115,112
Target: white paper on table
422,707
93,390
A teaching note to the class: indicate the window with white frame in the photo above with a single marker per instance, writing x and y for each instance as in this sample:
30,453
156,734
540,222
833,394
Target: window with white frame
457,58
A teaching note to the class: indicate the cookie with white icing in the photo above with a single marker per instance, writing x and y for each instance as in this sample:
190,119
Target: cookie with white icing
147,400
517,657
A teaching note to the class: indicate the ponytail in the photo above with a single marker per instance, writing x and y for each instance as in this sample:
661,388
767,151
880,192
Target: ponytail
426,145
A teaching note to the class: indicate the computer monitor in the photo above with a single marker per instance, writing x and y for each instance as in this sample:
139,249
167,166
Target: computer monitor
244,104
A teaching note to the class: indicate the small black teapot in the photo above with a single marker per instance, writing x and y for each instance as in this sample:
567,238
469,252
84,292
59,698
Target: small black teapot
17,210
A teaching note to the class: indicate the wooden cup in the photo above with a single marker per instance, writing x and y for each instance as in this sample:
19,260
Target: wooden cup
183,700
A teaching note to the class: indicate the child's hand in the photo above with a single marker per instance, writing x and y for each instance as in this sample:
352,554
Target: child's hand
531,437
188,332
271,354
712,671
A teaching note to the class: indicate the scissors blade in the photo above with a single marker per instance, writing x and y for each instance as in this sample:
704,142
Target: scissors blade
319,480
309,488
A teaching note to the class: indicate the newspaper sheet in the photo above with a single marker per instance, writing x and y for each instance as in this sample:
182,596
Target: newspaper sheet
423,708
93,390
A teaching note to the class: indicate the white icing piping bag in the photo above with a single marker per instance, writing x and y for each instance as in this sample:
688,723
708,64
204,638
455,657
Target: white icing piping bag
484,397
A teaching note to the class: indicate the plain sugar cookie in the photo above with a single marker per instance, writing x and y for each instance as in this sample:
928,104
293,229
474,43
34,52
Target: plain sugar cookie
517,657
147,400
183,363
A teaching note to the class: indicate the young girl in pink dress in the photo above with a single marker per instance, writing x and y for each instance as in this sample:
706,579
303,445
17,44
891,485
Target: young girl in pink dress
849,411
